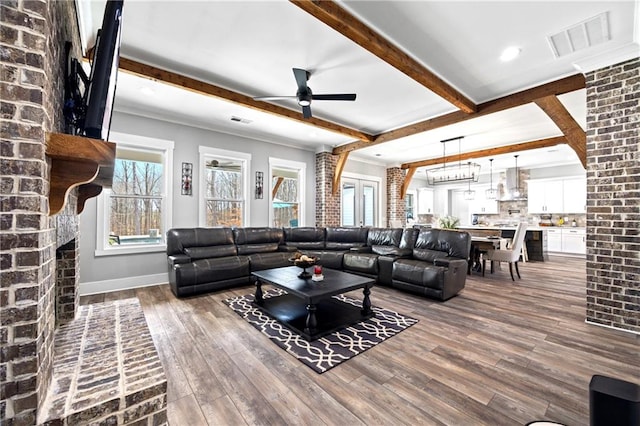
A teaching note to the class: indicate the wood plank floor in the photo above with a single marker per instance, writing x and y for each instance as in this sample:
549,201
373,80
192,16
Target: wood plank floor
500,353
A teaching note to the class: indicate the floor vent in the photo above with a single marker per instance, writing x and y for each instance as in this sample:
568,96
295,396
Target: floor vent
581,36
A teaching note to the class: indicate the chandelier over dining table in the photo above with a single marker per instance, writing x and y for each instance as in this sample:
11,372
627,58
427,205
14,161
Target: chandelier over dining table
469,172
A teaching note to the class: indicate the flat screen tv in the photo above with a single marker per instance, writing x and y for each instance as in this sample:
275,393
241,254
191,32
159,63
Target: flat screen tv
101,89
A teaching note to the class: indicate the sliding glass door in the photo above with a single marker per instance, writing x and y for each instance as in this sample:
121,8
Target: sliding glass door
359,202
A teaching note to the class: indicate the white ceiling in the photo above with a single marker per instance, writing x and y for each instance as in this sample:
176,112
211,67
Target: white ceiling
250,47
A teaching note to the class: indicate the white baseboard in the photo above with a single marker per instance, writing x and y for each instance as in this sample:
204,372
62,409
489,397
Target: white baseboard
611,327
106,286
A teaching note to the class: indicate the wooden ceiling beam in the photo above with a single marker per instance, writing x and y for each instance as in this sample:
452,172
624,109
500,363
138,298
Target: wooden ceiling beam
208,89
507,149
351,27
407,180
337,175
576,137
558,87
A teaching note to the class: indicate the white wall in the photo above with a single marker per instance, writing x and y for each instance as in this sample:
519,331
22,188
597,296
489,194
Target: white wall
121,271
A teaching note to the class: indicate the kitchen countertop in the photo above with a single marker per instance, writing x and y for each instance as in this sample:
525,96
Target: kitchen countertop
529,228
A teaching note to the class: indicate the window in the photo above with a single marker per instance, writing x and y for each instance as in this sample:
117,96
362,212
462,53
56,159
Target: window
224,187
287,192
135,213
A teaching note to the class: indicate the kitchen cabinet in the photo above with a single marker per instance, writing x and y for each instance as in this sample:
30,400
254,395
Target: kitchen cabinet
545,196
574,241
575,195
425,201
481,205
554,240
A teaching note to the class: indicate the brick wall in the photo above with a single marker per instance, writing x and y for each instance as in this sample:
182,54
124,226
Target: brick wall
31,67
327,204
613,196
396,207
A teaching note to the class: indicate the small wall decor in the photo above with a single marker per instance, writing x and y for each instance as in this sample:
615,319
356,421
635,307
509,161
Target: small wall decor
259,185
187,176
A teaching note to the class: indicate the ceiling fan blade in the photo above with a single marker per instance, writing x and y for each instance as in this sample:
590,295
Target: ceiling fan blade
301,78
273,98
306,112
335,97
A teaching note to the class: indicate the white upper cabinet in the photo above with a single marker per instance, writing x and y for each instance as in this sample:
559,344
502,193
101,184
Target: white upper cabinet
546,196
425,201
481,205
575,195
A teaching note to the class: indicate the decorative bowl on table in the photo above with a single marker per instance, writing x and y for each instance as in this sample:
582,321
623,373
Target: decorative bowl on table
304,262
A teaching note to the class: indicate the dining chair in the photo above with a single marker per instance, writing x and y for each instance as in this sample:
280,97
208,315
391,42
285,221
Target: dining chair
511,255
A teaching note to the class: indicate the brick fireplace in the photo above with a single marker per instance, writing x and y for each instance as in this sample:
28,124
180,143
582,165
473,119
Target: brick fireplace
39,253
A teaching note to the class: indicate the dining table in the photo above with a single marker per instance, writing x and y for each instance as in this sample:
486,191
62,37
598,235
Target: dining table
480,244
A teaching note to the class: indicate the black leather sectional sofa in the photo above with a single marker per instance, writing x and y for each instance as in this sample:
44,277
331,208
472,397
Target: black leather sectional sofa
429,262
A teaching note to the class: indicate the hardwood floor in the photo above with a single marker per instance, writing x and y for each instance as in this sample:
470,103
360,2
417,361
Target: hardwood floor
500,353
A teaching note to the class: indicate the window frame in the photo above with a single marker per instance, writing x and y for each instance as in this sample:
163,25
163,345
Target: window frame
301,168
165,147
242,157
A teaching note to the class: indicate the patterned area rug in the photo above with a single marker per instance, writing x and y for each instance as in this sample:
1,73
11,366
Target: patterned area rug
325,353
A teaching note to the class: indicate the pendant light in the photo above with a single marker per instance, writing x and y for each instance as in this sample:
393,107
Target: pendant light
491,193
469,194
516,192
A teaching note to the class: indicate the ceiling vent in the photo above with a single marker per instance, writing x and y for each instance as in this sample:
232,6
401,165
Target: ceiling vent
581,36
240,120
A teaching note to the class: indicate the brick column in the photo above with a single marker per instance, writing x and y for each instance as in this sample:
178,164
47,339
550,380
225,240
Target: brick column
396,207
327,204
613,194
31,70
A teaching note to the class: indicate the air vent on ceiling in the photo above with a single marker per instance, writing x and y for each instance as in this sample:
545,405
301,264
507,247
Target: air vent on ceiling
580,36
240,120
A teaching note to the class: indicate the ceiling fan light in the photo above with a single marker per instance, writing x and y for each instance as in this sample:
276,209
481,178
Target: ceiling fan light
304,102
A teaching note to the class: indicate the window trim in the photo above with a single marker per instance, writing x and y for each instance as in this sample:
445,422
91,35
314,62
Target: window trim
301,167
102,225
245,158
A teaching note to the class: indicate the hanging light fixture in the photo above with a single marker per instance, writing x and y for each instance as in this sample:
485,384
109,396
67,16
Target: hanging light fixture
516,192
491,193
446,174
469,194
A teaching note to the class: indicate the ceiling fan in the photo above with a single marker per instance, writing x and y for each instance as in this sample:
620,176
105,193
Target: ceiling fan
305,95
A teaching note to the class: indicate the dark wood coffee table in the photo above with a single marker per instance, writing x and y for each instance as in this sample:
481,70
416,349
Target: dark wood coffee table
308,308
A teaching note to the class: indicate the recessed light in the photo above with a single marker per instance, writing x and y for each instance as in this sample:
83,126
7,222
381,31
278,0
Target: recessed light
240,120
378,155
510,53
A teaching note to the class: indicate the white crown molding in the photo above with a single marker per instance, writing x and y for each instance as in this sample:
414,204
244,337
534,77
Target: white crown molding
107,286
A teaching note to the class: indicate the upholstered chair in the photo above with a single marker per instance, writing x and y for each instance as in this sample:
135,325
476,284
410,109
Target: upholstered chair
511,255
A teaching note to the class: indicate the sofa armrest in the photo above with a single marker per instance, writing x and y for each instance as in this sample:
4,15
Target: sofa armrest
448,261
455,276
177,259
360,249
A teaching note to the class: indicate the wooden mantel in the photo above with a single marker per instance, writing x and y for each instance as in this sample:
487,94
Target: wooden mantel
80,162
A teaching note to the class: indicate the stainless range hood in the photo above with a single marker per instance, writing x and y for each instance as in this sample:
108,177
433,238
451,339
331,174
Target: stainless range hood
512,182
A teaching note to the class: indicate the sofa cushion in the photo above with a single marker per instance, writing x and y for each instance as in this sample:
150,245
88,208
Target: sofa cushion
257,240
180,238
327,258
419,273
260,261
384,237
346,238
360,262
408,240
432,244
196,253
305,238
211,270
391,251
